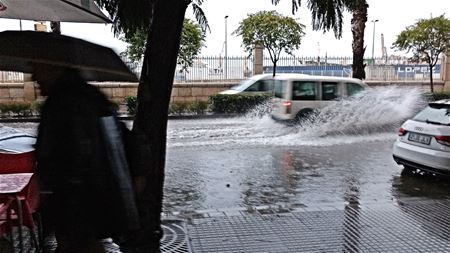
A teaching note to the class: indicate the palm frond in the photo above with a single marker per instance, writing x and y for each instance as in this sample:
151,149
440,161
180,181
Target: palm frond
200,16
327,15
295,4
128,16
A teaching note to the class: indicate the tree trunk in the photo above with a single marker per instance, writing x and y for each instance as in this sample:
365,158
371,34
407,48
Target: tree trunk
358,24
150,124
431,79
274,68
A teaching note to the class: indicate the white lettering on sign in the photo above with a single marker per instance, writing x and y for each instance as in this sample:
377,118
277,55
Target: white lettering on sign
415,69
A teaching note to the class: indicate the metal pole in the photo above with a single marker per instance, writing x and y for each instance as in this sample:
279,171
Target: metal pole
373,41
226,49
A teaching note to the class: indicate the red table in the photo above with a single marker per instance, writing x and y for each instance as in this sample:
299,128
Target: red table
12,188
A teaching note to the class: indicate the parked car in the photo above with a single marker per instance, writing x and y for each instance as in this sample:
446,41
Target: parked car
256,84
424,141
297,95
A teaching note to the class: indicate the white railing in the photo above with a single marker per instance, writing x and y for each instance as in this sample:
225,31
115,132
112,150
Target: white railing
217,68
11,77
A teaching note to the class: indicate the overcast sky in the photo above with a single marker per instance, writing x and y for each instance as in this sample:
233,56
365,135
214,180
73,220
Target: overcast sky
393,16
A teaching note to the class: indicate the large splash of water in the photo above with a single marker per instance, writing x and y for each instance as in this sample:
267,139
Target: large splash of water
377,111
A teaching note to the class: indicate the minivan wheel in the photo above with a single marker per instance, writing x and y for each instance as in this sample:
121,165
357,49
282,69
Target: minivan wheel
303,114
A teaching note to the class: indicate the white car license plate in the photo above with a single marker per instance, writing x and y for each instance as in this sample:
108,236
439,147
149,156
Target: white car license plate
420,138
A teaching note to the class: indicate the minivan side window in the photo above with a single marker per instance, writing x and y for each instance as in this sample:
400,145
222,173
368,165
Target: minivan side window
303,90
353,88
330,91
278,90
257,86
261,86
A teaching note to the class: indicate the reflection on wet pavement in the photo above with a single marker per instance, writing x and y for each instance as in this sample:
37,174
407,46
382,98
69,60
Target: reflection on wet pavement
341,174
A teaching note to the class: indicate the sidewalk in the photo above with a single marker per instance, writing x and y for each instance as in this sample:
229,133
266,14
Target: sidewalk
414,225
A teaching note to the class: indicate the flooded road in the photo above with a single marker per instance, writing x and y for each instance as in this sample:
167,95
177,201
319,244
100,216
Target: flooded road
344,157
358,170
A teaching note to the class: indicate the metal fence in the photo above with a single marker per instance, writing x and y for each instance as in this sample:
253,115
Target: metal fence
11,77
210,68
218,68
388,69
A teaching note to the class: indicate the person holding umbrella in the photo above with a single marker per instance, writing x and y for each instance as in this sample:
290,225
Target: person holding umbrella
79,150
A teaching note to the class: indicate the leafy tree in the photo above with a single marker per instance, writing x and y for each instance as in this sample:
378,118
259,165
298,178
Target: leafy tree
163,19
426,39
271,30
192,39
327,15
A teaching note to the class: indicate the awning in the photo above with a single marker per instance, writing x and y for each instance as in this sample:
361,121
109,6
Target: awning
82,11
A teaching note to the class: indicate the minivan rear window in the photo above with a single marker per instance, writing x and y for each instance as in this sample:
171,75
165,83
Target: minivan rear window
330,91
304,90
435,114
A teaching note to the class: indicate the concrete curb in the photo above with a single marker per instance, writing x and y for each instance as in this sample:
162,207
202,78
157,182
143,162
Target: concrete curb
128,117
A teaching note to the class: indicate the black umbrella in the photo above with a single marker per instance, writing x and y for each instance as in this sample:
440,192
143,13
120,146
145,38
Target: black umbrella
18,49
53,10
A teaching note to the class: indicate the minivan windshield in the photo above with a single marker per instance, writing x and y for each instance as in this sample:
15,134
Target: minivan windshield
244,84
435,114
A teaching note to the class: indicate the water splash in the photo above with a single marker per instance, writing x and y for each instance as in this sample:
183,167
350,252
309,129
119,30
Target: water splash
374,111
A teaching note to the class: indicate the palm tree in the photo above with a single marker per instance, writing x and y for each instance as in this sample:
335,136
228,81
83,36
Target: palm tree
327,14
164,18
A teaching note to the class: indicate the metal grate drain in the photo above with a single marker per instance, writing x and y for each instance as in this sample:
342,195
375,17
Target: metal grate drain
175,240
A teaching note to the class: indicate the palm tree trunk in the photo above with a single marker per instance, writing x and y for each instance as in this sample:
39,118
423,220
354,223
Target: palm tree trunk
358,24
150,124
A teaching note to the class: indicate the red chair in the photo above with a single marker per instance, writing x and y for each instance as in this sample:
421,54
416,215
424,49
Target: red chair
5,226
11,163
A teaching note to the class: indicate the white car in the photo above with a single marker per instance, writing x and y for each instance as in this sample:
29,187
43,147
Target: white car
424,141
262,83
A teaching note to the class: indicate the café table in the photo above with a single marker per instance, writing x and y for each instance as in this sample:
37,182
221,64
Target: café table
12,188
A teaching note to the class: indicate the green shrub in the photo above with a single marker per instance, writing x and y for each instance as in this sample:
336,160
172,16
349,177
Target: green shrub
36,107
197,107
21,109
131,104
238,103
178,108
438,96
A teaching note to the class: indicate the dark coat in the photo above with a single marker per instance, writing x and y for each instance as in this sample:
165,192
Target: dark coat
72,161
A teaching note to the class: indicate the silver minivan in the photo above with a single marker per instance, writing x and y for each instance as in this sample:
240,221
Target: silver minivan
297,95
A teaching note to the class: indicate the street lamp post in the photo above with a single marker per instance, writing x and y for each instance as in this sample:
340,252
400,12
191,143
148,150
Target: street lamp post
226,49
373,40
